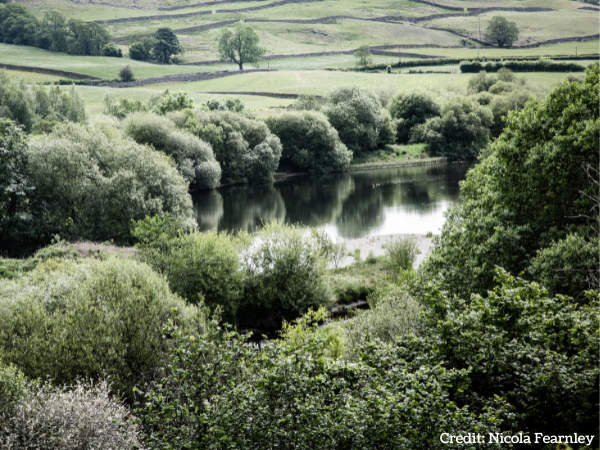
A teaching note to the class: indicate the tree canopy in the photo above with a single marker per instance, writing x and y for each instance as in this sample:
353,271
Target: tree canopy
240,46
502,31
363,56
165,45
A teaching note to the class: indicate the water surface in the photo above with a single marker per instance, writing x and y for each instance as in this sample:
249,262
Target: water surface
410,200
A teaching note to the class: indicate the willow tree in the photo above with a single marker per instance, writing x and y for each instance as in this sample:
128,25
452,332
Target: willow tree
240,46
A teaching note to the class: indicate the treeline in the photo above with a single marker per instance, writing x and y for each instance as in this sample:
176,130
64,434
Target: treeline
54,32
463,344
541,65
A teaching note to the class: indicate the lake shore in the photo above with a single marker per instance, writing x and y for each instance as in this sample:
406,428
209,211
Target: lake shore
376,245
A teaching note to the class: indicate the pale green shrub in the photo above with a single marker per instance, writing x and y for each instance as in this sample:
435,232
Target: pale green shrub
401,252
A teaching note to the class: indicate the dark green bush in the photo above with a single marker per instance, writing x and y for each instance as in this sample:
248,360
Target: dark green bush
501,105
245,148
91,319
198,266
409,109
460,133
356,115
194,157
126,74
111,50
309,142
138,51
541,65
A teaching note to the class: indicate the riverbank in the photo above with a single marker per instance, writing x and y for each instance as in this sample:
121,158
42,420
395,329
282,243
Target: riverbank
376,246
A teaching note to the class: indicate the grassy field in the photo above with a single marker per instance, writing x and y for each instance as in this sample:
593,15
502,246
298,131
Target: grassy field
533,26
316,82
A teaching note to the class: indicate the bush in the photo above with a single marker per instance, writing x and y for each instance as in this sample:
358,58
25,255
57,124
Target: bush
481,82
461,132
198,266
501,106
138,51
82,417
106,319
90,184
13,388
168,102
234,105
122,106
245,148
194,157
388,69
409,109
355,113
541,65
309,142
401,252
111,49
126,74
286,275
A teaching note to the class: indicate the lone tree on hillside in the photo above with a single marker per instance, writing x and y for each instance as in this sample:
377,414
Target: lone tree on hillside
240,46
126,74
501,30
363,55
166,45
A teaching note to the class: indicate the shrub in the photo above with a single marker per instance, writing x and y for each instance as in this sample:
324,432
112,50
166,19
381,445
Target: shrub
484,98
401,252
309,142
13,387
461,132
90,184
82,417
126,74
501,87
234,105
409,109
506,75
198,266
481,82
393,313
138,51
245,148
106,319
167,102
286,274
308,102
194,157
363,56
388,69
111,50
355,113
121,107
501,106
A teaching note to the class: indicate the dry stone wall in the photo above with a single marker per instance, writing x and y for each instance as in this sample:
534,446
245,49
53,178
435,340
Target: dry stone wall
183,77
58,73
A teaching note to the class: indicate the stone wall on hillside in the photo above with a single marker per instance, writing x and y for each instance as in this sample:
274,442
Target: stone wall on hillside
184,77
58,73
158,17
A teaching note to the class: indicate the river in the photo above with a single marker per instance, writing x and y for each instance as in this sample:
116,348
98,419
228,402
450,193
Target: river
407,200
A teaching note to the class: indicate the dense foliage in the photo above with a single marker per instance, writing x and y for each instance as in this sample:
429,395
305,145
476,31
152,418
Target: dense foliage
309,142
502,31
165,45
86,183
356,114
363,56
409,109
18,26
28,105
240,46
195,159
541,65
90,319
244,147
534,188
461,132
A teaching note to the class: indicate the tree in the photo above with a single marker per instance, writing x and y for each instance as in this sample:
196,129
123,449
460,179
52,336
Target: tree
240,46
126,74
409,109
501,30
309,142
461,132
111,50
528,194
166,44
363,56
356,115
53,32
138,51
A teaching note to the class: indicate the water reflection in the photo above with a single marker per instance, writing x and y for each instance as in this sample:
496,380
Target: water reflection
349,205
